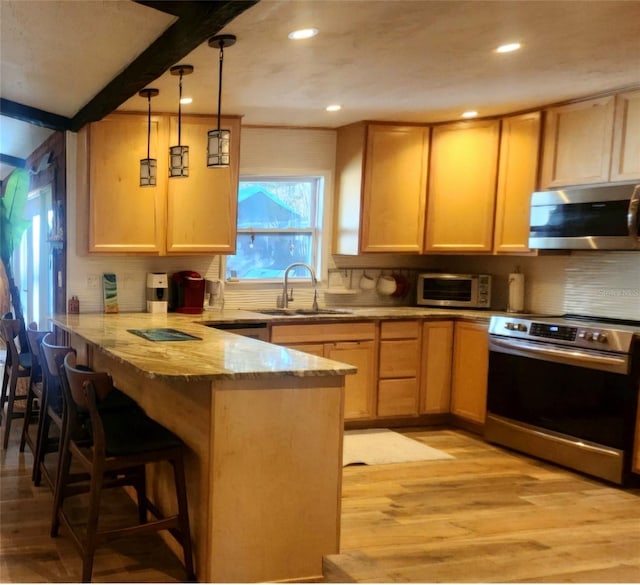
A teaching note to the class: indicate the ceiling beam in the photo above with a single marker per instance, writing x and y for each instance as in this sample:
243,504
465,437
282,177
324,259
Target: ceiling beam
197,22
33,115
13,161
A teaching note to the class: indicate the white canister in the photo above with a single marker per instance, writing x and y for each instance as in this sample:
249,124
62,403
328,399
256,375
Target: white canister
515,302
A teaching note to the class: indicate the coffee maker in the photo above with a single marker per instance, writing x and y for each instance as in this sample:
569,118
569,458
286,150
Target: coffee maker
157,289
188,292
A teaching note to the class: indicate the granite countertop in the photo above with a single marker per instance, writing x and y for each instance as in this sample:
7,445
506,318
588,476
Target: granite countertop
215,355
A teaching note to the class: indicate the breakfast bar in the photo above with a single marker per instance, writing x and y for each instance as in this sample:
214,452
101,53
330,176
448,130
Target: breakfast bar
262,426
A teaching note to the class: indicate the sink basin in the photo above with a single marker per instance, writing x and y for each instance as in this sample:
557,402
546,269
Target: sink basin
308,312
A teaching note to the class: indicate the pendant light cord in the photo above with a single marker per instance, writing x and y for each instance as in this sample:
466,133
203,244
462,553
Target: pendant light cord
220,82
180,112
149,127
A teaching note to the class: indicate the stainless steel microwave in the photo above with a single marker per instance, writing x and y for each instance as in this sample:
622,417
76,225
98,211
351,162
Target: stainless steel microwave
436,289
586,218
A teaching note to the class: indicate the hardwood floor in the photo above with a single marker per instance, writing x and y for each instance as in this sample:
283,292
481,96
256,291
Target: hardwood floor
29,555
489,515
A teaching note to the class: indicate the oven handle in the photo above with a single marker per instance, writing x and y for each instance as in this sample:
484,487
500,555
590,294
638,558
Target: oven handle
584,359
632,214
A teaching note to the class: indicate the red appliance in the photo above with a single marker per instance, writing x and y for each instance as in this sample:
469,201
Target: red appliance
188,292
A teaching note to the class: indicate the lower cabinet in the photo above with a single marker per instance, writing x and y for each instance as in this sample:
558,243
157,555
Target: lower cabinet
436,359
351,343
470,369
399,368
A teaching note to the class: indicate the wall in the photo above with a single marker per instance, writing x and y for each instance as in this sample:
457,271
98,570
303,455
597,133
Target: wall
597,283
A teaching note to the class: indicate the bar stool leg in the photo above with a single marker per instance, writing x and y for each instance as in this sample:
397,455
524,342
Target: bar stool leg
10,402
64,466
92,522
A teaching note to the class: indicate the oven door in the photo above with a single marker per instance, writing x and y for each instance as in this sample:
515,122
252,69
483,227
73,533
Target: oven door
573,407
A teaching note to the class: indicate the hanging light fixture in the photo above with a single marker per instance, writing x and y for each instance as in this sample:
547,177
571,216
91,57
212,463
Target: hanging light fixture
148,166
179,155
219,140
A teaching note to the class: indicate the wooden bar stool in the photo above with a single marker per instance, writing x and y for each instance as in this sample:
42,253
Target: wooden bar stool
123,441
34,393
17,366
51,409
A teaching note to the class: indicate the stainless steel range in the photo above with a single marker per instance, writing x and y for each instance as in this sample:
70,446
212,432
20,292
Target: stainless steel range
565,390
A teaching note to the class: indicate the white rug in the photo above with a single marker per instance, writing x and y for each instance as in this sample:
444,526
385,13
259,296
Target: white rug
377,446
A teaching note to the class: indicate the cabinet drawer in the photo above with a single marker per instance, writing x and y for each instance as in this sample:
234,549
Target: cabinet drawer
322,332
398,397
399,329
399,358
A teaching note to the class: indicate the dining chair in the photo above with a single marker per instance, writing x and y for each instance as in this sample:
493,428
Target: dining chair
122,442
17,368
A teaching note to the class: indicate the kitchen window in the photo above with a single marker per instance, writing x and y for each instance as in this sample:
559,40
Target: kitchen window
279,223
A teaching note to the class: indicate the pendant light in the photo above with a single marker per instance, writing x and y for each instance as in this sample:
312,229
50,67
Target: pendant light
179,155
148,166
219,140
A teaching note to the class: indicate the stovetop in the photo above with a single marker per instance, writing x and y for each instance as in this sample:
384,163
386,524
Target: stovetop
580,331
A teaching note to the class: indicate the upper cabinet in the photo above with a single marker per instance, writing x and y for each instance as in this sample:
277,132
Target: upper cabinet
194,214
594,141
517,179
124,217
625,162
381,188
462,187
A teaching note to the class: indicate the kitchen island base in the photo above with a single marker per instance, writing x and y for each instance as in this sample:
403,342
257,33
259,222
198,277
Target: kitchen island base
263,466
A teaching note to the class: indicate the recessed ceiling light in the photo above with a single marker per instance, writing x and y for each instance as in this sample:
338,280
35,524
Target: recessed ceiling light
508,48
470,114
303,33
186,100
333,108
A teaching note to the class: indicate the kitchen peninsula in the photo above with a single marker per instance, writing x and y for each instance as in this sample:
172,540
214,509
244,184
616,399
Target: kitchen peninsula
263,429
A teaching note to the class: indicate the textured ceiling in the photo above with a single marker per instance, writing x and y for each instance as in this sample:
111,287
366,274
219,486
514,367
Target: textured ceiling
416,60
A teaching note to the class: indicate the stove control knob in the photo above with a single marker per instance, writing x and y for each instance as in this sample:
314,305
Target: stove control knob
588,336
521,327
510,326
603,338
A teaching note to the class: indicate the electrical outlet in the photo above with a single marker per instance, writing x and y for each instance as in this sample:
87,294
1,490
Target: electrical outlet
93,281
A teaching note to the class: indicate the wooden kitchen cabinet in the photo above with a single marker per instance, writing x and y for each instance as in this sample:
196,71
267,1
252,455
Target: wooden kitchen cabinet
470,370
381,181
517,179
625,163
462,187
201,215
399,368
124,217
436,359
195,214
349,342
578,143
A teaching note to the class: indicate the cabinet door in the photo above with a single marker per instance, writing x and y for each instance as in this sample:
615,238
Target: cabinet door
435,379
577,144
517,179
202,208
394,192
359,396
398,397
625,164
124,217
462,187
470,370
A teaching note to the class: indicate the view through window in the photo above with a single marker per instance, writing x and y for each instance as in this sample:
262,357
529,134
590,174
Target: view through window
277,226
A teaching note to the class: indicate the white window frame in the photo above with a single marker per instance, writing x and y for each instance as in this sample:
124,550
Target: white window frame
320,232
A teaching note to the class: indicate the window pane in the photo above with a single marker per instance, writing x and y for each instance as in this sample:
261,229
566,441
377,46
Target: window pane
269,254
276,205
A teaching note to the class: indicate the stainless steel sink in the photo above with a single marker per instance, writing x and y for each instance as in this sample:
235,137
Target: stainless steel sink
300,312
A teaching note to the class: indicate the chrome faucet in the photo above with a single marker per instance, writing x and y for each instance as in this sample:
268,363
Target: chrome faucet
283,300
